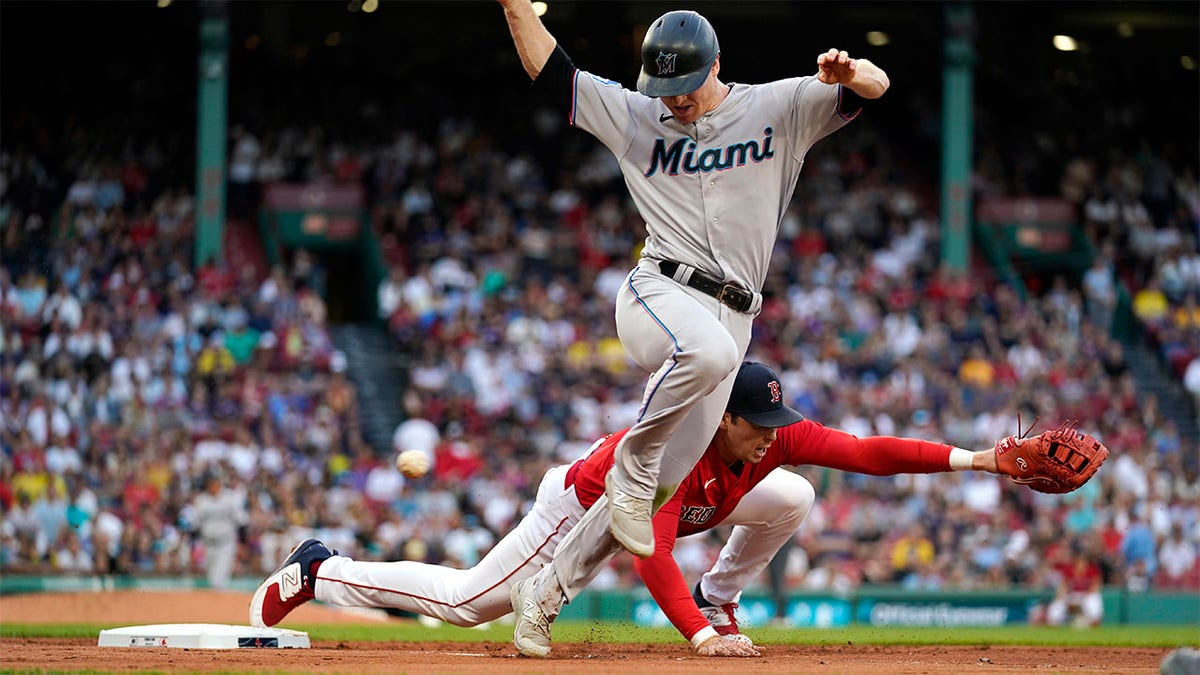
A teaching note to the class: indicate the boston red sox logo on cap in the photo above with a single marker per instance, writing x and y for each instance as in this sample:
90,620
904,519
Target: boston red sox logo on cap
666,63
757,397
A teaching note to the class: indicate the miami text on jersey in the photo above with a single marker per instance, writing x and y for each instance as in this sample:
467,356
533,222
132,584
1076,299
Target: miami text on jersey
712,159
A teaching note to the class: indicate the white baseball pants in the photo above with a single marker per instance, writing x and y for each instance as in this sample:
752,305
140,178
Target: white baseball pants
767,516
220,555
1089,605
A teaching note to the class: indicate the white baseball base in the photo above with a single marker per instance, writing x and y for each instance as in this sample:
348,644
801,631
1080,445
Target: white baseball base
203,636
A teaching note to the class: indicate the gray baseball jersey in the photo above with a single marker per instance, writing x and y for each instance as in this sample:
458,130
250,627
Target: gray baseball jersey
712,193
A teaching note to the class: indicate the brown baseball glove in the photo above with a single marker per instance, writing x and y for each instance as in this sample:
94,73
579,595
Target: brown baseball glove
1055,461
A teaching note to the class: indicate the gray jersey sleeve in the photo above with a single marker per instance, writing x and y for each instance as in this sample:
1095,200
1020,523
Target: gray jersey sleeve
607,110
815,114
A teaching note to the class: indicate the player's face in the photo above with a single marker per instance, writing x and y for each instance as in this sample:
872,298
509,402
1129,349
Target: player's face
747,442
687,108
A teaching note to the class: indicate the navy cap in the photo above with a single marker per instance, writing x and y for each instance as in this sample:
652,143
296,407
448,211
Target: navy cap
758,398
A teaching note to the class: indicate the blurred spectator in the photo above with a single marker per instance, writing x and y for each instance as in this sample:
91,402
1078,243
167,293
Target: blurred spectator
911,553
217,515
1177,561
1077,595
1099,288
1138,545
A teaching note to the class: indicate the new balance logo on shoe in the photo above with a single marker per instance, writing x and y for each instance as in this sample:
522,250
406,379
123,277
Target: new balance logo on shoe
531,635
290,581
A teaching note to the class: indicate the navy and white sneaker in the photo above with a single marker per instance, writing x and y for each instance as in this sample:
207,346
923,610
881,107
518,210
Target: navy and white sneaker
723,618
290,586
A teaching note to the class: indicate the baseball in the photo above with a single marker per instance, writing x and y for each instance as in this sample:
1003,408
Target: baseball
412,463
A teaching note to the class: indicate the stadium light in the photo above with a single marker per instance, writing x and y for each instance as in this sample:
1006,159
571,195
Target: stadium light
163,4
1187,62
540,8
369,6
1065,43
1125,29
877,38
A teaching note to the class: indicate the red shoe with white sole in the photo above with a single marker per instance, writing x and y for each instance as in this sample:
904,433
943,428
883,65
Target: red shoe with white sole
290,586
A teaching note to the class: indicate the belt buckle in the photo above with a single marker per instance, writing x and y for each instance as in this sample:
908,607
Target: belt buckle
734,297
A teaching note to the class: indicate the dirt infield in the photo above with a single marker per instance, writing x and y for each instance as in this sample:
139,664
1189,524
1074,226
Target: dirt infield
140,607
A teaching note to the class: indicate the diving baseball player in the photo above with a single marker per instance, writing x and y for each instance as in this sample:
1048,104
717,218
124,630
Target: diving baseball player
738,481
711,168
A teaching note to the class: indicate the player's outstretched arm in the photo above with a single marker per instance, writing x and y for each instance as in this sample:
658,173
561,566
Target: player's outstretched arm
534,43
859,75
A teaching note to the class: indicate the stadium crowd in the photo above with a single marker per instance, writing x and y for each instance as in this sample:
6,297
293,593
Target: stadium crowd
131,379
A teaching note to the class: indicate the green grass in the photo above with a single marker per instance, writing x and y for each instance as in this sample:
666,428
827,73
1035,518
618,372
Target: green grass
1113,636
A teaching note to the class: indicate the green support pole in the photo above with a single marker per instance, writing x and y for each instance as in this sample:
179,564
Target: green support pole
957,141
211,103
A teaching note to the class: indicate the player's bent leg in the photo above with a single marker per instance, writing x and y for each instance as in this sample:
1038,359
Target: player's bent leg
685,447
460,597
698,355
763,521
581,554
682,340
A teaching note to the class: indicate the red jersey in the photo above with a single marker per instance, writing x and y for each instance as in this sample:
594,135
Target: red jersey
1080,576
712,490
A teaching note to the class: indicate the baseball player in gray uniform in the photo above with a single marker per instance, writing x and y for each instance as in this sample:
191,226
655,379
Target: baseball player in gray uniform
711,168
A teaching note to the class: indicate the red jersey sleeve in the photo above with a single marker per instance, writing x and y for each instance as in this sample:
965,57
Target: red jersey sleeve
662,575
808,442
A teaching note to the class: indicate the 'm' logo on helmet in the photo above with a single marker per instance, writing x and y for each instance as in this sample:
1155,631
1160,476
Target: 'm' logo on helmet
666,63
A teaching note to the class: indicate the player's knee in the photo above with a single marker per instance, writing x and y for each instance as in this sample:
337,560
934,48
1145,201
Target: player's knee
798,499
714,359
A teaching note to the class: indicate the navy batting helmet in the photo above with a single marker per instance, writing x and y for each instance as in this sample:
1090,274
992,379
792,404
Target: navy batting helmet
677,53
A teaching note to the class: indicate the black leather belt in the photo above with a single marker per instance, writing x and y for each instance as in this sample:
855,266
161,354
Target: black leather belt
733,296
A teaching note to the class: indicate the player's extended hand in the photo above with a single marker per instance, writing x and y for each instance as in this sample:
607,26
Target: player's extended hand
728,645
835,67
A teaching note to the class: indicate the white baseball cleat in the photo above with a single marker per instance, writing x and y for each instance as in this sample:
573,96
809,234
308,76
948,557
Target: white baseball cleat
631,520
531,636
